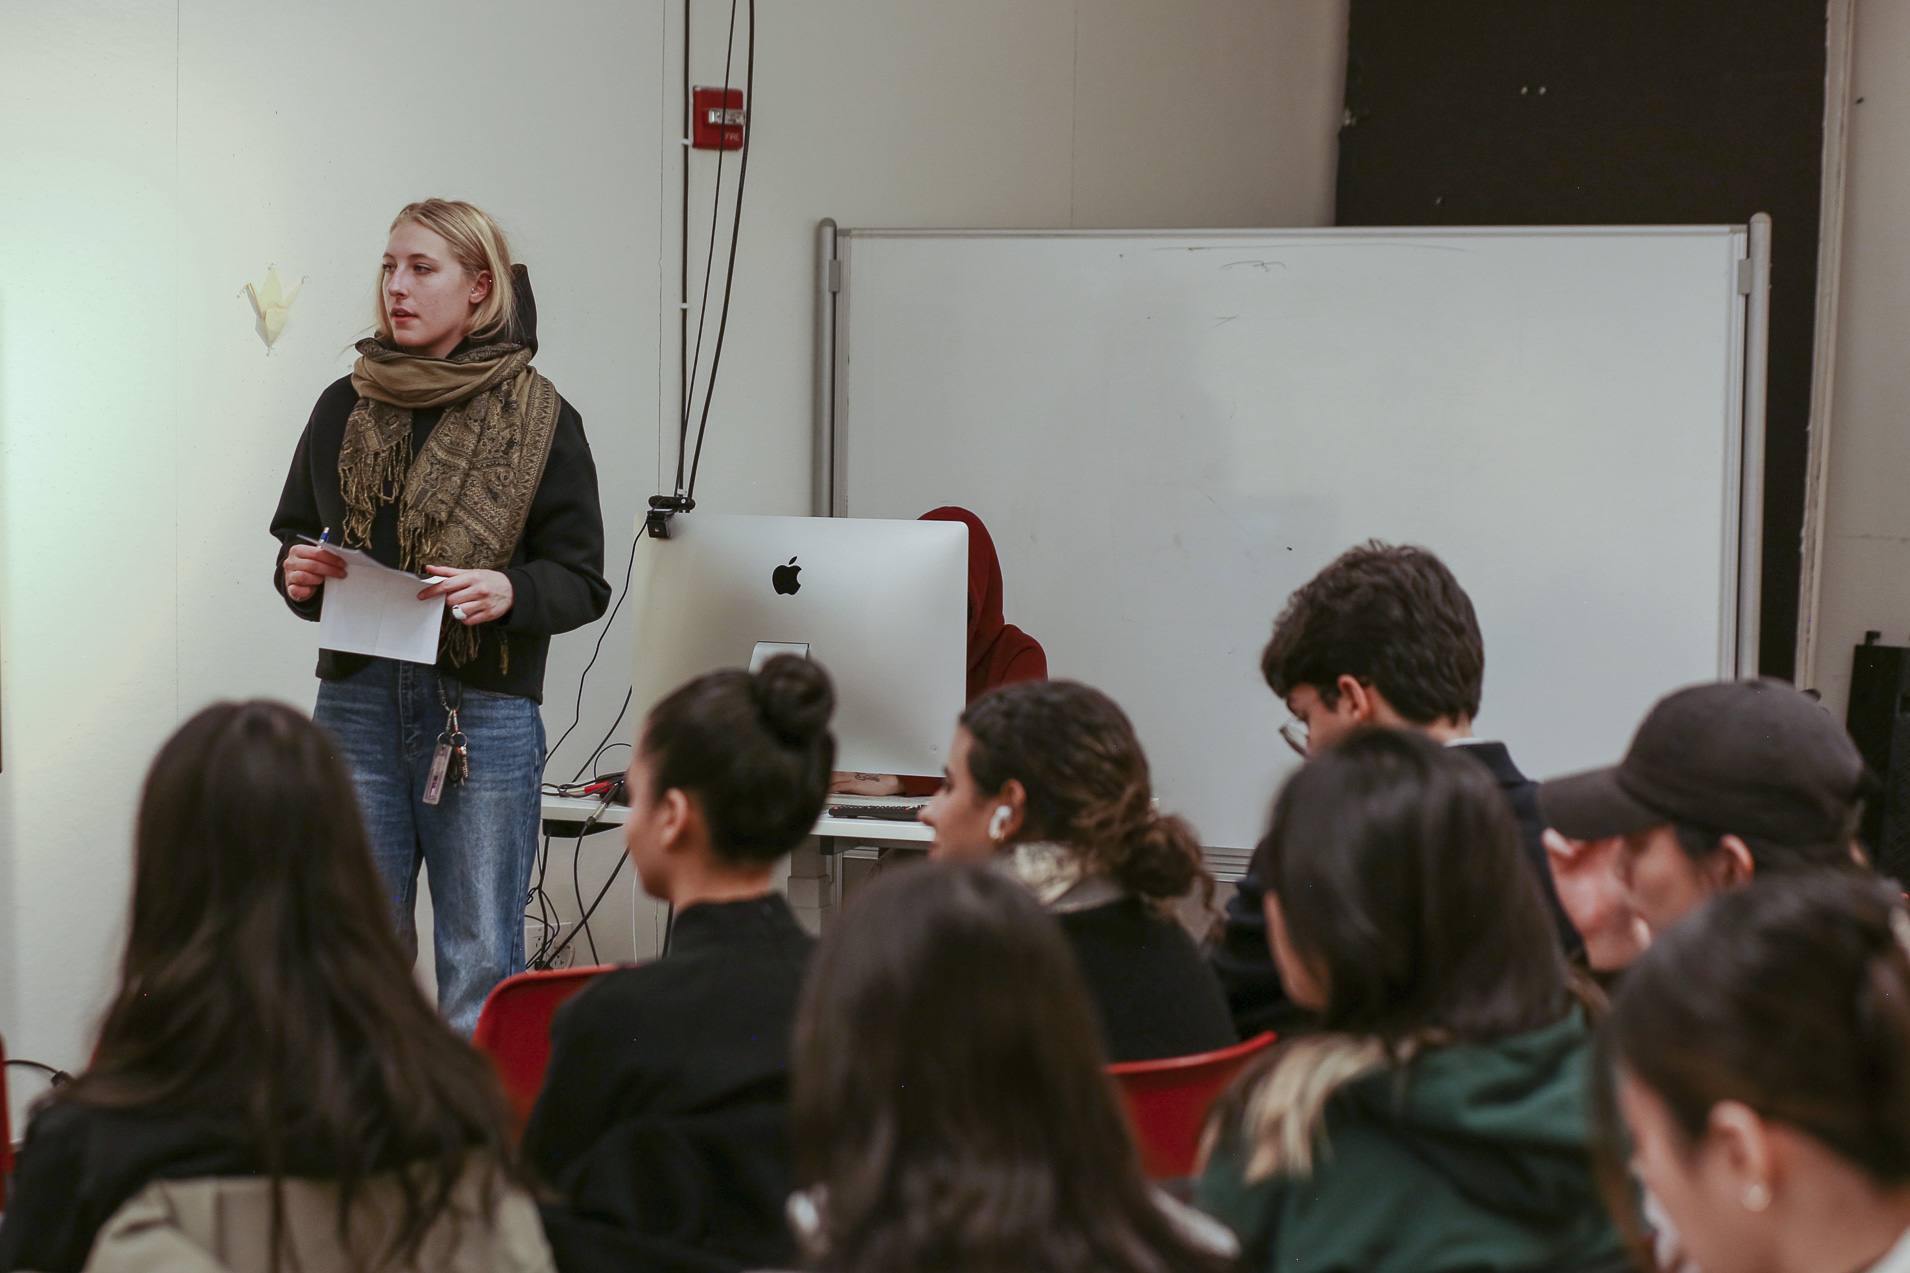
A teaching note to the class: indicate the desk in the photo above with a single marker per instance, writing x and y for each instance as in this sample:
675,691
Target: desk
838,851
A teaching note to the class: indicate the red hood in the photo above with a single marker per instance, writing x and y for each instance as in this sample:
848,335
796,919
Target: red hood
985,621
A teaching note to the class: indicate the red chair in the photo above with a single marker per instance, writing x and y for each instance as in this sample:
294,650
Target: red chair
513,1029
1167,1102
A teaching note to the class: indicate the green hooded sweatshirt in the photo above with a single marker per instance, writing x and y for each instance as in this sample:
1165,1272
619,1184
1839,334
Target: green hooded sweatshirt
1473,1157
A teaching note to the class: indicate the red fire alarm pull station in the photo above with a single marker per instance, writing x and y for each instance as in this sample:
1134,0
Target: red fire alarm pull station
716,119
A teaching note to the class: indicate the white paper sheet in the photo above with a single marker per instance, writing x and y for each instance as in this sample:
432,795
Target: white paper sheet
375,610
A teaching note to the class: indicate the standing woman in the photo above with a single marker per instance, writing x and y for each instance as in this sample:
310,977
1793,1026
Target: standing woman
445,453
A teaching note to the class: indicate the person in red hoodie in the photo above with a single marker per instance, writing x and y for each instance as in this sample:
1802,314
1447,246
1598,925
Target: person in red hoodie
999,653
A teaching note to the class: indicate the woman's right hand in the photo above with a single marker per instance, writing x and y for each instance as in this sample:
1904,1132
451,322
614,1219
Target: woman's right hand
307,567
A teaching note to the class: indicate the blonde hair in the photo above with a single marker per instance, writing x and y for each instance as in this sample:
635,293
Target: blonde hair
1278,1107
477,244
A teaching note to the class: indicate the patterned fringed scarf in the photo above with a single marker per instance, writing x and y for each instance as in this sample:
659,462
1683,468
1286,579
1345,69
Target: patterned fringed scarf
463,500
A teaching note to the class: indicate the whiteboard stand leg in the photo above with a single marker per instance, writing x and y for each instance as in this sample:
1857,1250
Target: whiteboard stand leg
822,481
1757,338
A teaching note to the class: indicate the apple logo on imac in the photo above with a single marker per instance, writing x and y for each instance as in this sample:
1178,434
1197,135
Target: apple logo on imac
783,579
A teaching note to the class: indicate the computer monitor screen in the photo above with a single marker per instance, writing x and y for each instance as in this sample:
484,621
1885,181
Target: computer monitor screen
881,605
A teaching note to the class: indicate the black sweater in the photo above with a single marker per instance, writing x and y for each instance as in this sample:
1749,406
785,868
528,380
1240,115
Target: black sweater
663,1121
556,572
1155,995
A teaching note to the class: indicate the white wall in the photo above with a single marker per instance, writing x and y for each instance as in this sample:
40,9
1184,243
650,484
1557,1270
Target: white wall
156,156
995,113
1866,569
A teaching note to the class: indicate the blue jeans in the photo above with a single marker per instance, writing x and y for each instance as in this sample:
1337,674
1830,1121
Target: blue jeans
479,841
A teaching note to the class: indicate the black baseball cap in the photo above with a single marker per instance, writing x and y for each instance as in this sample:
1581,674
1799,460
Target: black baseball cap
1749,758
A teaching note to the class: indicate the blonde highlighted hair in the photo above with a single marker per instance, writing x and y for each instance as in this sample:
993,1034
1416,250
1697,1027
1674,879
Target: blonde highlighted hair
478,244
1279,1106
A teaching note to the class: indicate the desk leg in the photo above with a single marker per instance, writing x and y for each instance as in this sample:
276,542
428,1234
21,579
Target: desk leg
812,884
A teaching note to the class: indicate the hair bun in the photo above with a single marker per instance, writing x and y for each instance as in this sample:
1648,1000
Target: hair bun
1164,857
793,698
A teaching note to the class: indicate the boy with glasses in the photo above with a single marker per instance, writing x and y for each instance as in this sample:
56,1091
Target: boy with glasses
1383,636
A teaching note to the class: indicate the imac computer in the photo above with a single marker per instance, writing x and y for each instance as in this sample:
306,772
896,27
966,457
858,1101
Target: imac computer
881,605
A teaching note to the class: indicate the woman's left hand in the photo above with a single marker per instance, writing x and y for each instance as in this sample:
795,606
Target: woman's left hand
481,595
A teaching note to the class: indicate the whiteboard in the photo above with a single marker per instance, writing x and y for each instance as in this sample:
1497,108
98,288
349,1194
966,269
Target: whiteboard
1169,432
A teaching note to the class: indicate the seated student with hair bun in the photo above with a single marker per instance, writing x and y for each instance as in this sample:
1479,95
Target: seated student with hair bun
1047,779
663,1117
1761,1051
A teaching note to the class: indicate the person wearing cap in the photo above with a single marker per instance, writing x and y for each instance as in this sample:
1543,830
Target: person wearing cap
1384,636
1723,782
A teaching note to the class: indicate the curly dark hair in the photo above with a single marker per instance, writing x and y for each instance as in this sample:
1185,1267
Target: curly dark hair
1073,749
1392,617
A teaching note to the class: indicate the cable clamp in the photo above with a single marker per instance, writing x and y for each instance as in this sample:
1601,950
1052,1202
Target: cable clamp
656,523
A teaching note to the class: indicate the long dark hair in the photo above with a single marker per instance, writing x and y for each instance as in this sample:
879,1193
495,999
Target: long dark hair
263,990
1074,750
755,750
1399,874
1791,996
950,1093
1398,866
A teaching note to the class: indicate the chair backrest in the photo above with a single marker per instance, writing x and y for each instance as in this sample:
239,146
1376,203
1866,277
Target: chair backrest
513,1029
1167,1102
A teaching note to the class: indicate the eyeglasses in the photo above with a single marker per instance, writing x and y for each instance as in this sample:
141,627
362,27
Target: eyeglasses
1295,734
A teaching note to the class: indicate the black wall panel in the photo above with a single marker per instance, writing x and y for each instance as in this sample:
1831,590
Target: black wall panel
1641,112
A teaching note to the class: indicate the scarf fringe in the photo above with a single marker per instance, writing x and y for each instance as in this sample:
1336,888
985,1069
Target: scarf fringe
369,481
506,424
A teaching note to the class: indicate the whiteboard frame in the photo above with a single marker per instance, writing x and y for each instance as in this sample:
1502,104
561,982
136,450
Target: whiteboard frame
1743,534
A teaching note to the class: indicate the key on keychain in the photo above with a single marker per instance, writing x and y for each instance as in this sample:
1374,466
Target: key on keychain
451,762
460,764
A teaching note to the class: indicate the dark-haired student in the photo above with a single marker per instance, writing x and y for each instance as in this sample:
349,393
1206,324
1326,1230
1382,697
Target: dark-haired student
951,1105
267,1056
1438,1122
1383,636
1723,782
663,1117
1047,780
1762,1062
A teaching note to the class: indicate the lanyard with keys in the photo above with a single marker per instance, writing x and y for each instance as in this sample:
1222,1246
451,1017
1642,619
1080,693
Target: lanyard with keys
451,762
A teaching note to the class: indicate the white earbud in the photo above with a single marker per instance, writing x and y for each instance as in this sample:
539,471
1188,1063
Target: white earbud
998,825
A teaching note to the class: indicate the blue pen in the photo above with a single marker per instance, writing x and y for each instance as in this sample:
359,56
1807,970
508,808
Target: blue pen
325,536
